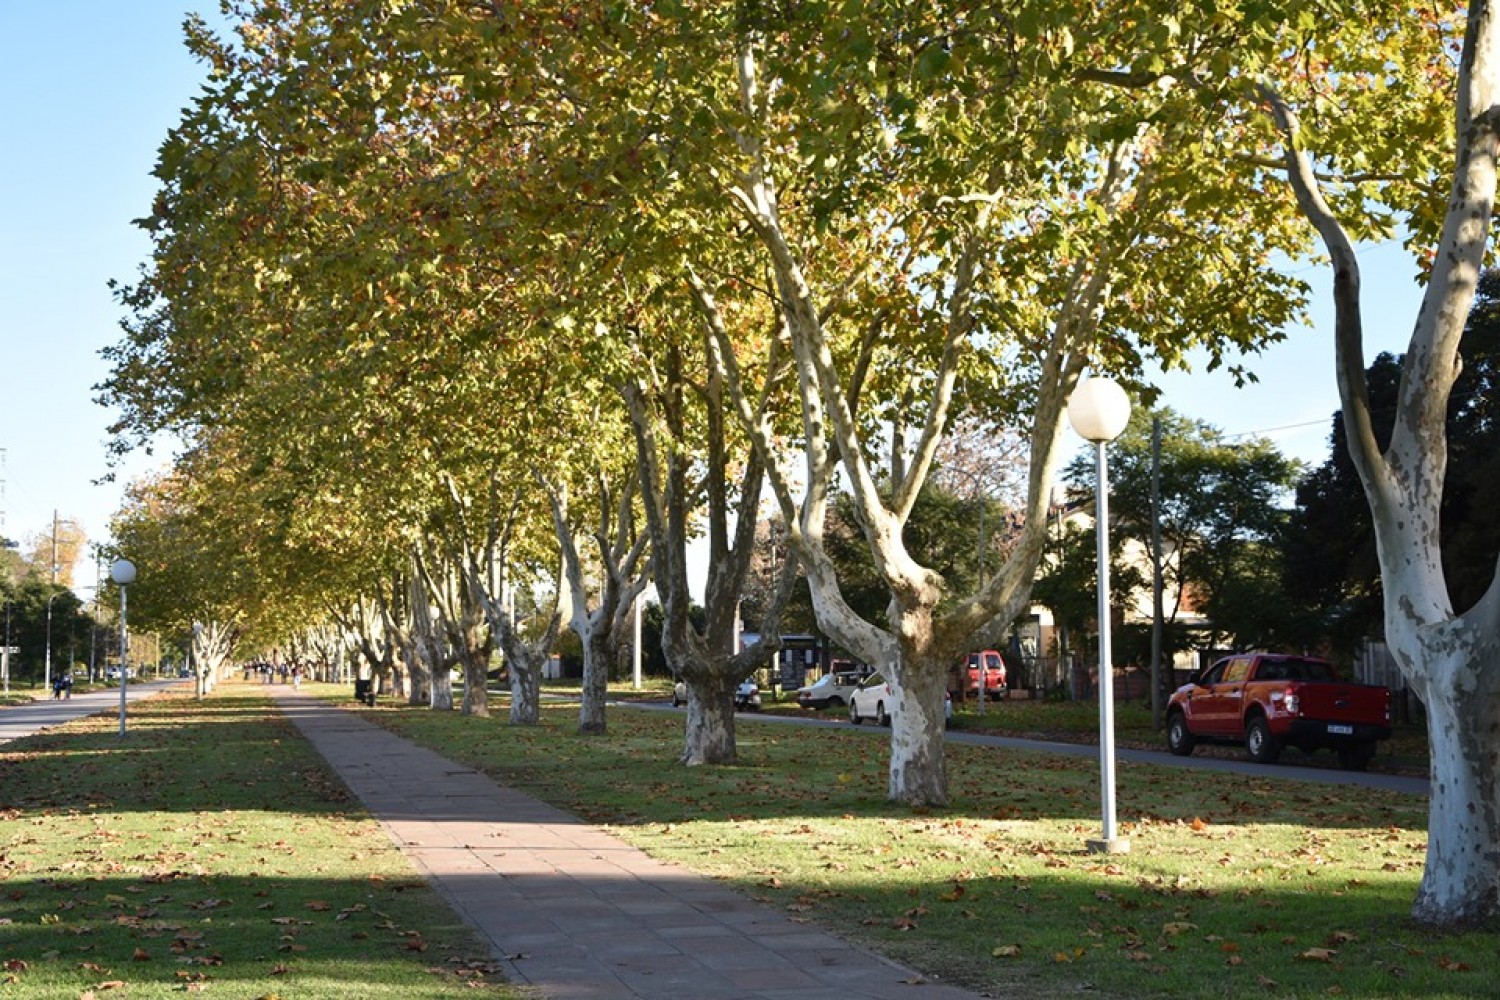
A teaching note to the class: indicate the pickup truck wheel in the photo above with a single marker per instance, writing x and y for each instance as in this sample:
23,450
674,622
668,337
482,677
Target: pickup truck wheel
1259,742
1357,757
1180,739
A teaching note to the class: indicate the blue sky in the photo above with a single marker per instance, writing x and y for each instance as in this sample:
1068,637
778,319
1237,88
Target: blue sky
87,92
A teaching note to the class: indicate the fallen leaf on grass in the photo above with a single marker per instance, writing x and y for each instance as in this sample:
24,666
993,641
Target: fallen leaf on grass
1006,951
140,955
1318,955
1178,927
1444,962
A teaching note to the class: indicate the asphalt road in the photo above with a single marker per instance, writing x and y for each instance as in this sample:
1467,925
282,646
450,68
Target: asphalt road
17,721
1295,766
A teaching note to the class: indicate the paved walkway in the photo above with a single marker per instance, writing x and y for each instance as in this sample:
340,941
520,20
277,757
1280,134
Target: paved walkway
576,913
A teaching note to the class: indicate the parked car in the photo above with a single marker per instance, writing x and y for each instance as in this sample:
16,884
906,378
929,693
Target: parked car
113,674
829,691
873,699
1268,701
963,679
746,696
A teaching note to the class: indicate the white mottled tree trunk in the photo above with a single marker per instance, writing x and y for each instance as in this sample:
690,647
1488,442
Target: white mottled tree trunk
1461,881
918,772
598,654
709,737
525,692
440,690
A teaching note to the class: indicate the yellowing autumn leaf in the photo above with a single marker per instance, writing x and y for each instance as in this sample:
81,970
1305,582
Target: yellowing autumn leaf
1318,955
1006,951
1178,927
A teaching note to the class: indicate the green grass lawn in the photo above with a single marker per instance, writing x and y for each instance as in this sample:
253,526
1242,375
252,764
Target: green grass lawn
210,851
1234,887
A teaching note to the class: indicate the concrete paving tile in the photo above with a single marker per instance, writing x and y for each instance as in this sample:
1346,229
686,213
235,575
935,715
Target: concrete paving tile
771,978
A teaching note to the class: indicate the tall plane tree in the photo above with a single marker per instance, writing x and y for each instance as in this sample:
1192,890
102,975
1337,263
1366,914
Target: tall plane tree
1449,655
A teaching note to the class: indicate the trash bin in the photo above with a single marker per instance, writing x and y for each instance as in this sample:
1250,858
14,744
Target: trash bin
364,690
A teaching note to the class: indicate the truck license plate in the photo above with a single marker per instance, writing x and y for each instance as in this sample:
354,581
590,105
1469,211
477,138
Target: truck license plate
1334,727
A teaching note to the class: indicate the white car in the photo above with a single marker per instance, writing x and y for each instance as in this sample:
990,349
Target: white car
746,696
829,691
873,699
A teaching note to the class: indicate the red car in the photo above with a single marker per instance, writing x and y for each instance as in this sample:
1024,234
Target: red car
963,680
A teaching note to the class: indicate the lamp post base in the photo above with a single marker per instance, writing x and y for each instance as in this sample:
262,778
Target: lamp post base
1114,845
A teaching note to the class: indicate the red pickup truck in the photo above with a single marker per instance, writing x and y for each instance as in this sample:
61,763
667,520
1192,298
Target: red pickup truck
1268,701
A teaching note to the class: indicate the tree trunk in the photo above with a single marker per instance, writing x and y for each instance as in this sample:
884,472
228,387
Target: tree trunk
419,689
709,737
441,681
1461,881
918,773
476,691
525,693
597,650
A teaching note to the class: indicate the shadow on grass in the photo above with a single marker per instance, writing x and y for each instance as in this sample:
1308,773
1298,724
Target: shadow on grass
164,928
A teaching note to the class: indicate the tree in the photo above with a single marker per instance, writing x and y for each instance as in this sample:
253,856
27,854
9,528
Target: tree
987,251
1221,516
1447,653
60,549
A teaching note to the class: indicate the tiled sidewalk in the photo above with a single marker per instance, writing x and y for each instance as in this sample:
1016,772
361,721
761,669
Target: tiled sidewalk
578,914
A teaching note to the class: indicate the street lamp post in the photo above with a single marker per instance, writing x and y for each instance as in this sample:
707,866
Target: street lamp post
47,657
123,574
1099,411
